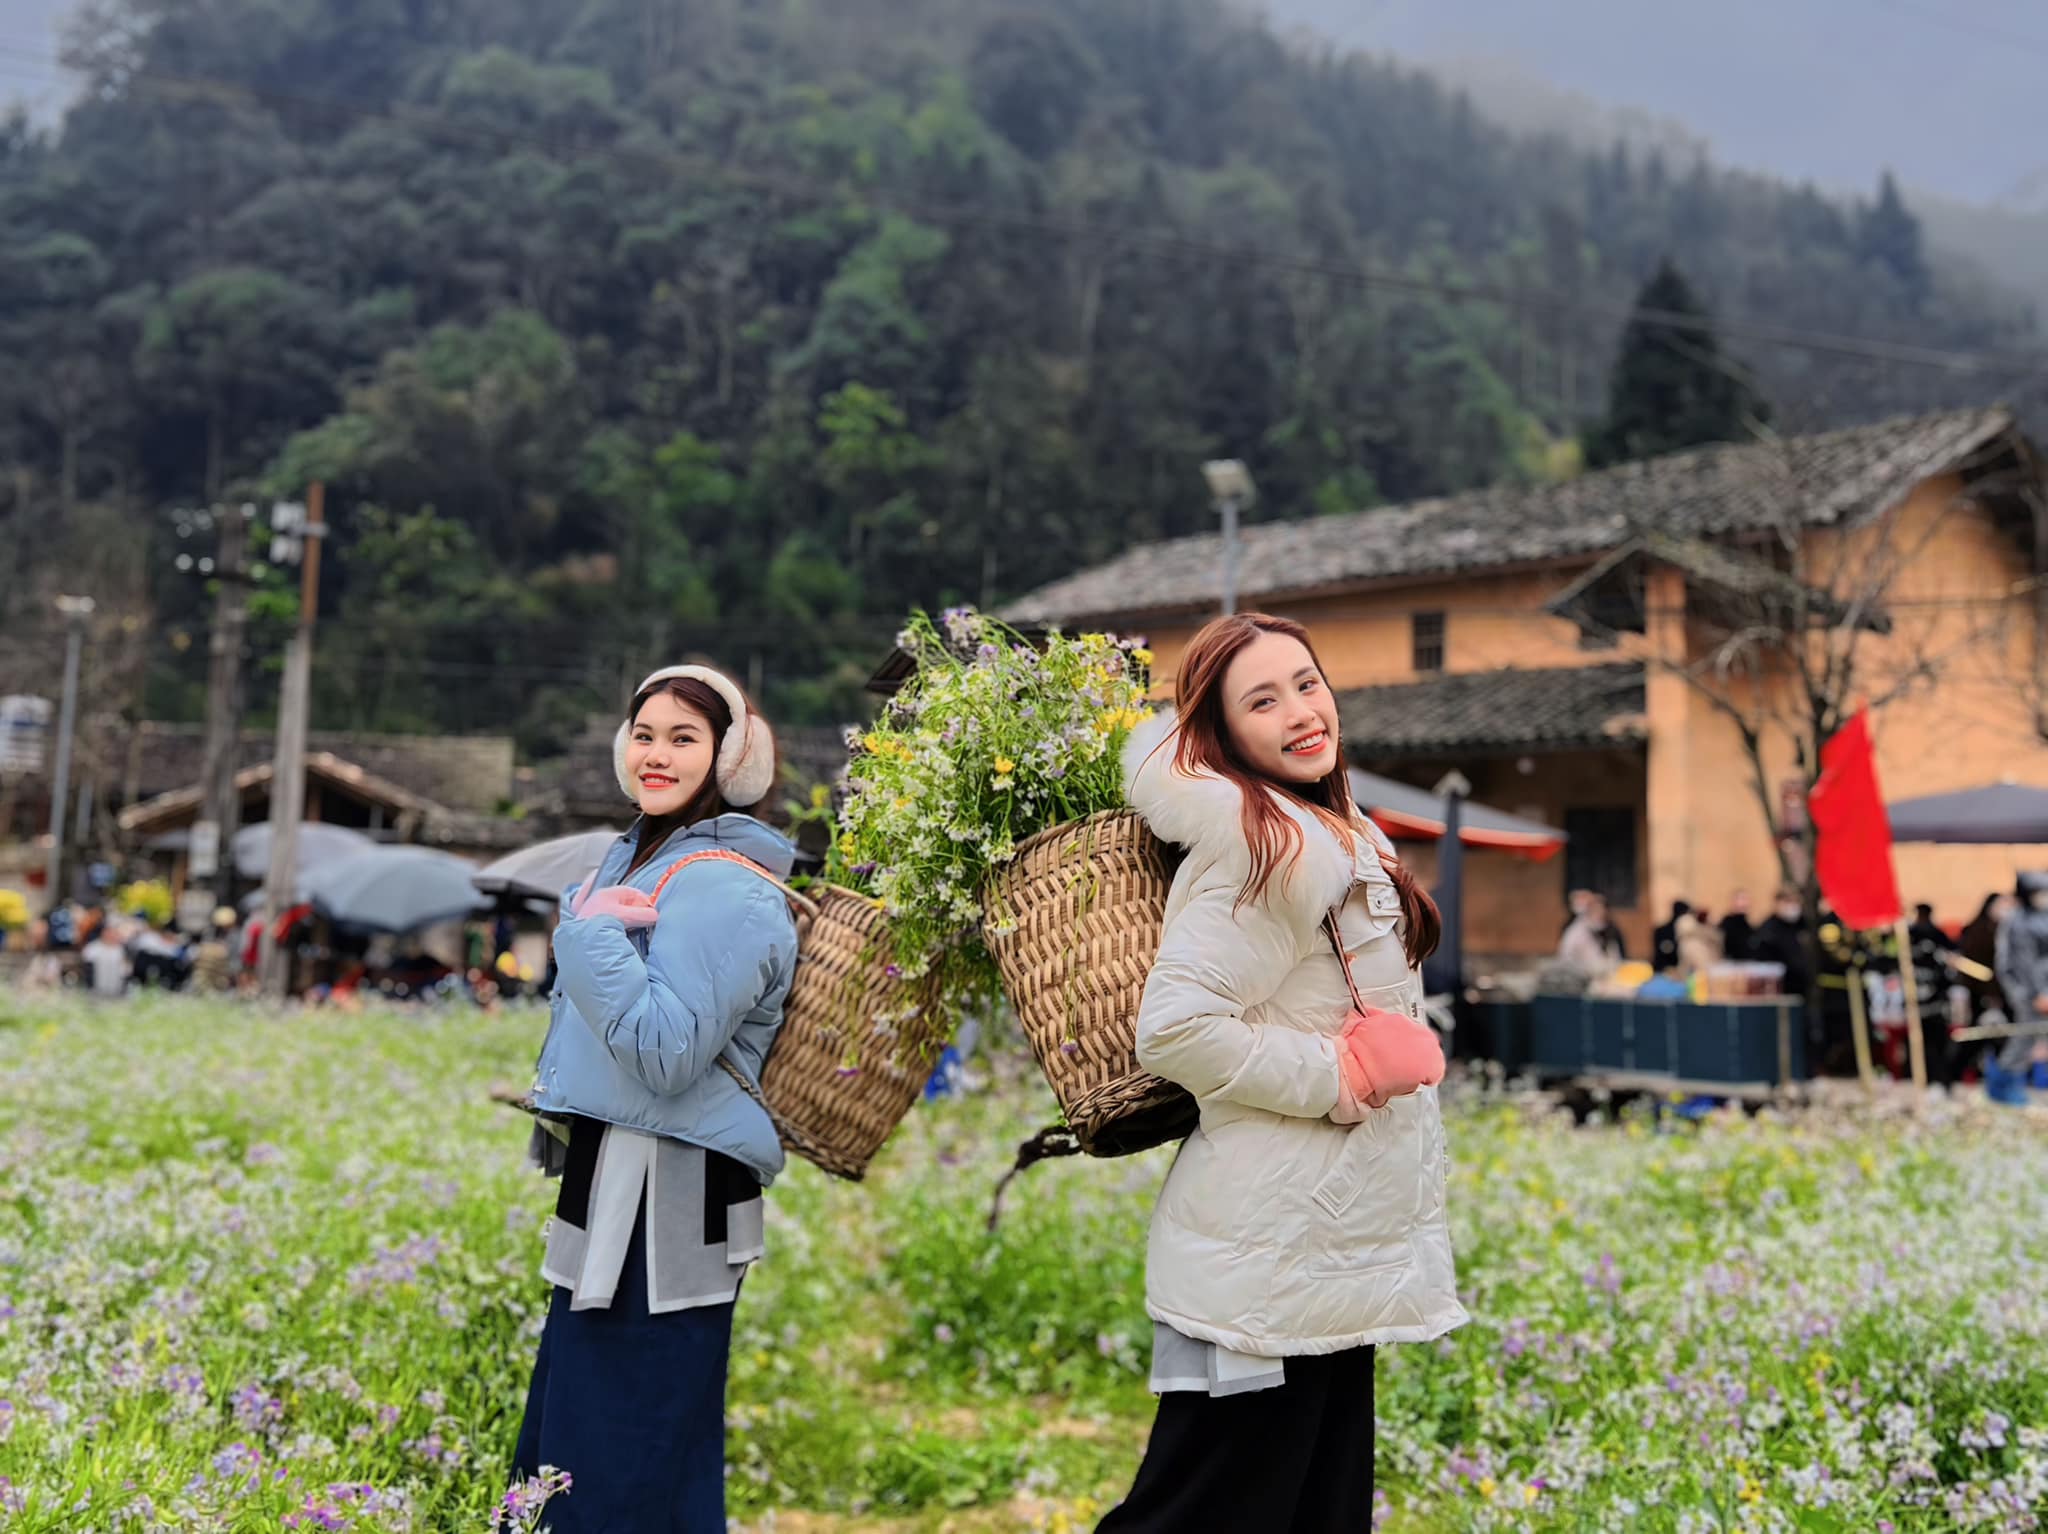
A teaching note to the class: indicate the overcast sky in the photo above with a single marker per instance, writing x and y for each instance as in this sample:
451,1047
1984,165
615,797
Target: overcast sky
1950,94
28,37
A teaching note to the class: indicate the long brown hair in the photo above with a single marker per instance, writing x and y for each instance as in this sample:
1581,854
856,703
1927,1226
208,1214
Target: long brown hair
707,801
1273,835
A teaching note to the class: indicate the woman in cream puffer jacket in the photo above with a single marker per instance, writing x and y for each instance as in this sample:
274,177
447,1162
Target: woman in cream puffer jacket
1299,1226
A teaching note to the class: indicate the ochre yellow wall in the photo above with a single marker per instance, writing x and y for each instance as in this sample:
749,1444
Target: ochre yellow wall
1366,639
1953,585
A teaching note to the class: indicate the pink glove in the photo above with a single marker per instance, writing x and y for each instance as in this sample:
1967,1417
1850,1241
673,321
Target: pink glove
635,908
1382,1056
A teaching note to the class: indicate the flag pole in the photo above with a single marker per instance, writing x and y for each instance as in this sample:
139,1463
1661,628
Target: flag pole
1859,1025
1916,1047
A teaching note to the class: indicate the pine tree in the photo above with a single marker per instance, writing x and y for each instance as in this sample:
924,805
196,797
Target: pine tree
1672,388
1889,237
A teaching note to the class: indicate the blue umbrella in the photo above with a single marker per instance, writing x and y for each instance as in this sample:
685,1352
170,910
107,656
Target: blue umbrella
547,868
317,843
394,889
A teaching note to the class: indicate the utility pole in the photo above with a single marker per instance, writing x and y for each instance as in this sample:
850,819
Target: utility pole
210,859
299,530
75,611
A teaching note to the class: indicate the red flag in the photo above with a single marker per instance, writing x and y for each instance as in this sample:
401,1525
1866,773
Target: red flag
1854,853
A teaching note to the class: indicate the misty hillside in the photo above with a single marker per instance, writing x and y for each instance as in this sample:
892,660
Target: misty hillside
619,328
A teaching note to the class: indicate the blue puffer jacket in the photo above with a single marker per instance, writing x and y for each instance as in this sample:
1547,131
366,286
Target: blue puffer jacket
640,1017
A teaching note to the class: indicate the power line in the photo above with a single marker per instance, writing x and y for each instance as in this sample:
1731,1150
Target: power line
1519,299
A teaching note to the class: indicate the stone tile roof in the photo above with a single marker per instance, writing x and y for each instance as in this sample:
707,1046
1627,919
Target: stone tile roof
430,823
459,772
1703,492
1490,711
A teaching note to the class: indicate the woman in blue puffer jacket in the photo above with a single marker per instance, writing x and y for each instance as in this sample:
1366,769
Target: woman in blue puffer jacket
668,996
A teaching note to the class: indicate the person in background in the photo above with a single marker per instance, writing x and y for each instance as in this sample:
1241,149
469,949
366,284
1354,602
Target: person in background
1782,940
1575,907
1928,933
1698,942
2022,953
158,956
1737,934
60,932
249,949
1979,945
1590,943
1664,941
106,961
211,959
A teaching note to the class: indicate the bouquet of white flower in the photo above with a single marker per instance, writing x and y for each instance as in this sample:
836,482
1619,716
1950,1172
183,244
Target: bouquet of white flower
985,811
991,741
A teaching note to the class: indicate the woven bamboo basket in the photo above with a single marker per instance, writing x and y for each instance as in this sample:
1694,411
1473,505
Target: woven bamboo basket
1074,924
856,1046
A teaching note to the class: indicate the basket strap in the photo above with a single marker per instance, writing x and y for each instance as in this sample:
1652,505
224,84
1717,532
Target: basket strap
1052,1141
1343,959
787,1132
803,903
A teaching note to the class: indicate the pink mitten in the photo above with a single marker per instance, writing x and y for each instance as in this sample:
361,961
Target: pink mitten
635,908
1389,1055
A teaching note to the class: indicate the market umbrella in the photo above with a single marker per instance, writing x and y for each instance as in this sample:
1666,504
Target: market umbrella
393,889
318,843
1403,811
1999,814
546,868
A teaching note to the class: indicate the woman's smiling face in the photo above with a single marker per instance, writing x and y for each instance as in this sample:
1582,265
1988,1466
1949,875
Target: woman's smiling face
1280,713
669,754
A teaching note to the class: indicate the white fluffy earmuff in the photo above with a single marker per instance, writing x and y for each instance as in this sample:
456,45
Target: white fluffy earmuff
746,760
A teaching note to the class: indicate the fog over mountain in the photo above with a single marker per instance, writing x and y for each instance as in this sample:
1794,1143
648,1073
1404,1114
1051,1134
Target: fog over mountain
1833,91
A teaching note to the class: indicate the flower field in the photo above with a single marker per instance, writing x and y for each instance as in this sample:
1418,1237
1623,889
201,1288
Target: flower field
263,1270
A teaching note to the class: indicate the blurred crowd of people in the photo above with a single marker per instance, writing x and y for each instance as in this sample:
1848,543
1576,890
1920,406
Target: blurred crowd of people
109,953
1981,991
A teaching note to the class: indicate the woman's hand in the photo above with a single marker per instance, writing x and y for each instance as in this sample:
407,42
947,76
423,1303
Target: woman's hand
1382,1056
634,908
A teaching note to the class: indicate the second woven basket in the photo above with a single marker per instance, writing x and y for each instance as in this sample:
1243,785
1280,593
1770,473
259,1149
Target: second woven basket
1074,922
856,1045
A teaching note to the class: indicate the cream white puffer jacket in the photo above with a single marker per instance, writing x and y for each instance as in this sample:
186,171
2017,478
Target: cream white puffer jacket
1279,1232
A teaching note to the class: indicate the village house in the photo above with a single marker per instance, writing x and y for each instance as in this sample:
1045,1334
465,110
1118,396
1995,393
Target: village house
444,791
1590,653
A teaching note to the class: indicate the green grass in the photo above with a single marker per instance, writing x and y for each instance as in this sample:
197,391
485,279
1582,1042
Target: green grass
247,1256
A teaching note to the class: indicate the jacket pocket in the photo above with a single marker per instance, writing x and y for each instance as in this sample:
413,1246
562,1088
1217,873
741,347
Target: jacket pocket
1363,1262
1379,1181
1364,1144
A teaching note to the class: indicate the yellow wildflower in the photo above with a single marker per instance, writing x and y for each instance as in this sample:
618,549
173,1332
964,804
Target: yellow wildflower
1005,766
1487,1487
1142,656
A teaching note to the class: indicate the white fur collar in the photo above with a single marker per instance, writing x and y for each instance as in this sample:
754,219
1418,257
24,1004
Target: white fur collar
1204,814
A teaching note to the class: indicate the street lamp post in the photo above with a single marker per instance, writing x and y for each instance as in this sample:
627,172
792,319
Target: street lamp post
75,611
1231,488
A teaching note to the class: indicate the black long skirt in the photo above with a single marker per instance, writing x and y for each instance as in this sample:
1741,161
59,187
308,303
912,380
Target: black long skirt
632,1405
1295,1459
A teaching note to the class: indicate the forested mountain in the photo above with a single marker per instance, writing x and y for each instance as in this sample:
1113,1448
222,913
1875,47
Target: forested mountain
620,328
